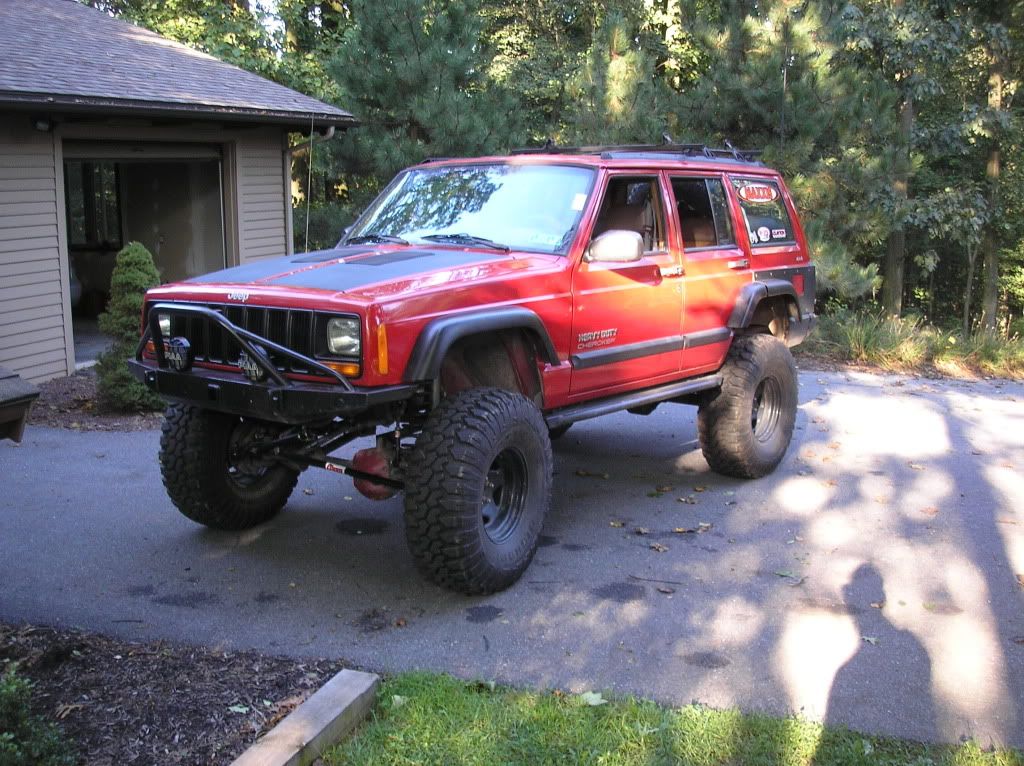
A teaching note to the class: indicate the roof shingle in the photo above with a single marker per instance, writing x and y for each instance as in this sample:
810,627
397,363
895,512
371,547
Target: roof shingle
60,53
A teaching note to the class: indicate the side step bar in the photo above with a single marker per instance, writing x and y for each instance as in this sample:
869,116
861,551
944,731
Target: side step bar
594,409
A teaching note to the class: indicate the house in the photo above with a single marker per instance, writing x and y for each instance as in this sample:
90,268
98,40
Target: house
110,133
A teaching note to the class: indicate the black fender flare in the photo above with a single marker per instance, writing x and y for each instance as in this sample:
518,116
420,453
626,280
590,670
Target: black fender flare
441,334
753,293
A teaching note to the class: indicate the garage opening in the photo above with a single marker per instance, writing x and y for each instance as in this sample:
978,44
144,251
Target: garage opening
169,198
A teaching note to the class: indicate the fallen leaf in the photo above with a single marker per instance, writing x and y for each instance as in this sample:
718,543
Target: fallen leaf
1005,521
658,547
593,699
684,530
1019,640
616,524
689,500
664,489
703,526
916,466
400,622
833,445
930,510
870,639
641,531
240,709
307,492
664,589
700,489
877,604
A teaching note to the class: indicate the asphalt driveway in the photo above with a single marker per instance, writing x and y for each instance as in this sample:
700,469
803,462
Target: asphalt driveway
876,579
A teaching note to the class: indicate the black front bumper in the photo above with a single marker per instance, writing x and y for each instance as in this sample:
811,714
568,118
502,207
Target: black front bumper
276,397
292,404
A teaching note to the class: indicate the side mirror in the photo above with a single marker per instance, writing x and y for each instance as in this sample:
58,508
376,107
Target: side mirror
344,234
616,246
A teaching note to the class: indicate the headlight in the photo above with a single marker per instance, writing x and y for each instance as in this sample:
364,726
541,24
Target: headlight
165,325
343,336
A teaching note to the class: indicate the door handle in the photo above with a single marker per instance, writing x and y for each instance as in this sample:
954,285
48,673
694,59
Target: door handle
742,263
668,272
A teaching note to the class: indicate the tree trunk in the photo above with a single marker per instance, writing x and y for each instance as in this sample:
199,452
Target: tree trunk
896,247
990,244
972,257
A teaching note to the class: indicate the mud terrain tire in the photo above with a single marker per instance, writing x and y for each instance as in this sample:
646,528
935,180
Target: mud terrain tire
746,426
478,486
201,478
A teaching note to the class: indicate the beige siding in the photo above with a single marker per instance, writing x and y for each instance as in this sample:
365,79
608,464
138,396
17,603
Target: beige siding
33,315
261,196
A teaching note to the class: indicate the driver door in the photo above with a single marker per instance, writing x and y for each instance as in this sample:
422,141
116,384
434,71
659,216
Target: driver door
627,315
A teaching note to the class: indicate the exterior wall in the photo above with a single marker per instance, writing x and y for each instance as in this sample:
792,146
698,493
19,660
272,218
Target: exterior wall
262,208
35,313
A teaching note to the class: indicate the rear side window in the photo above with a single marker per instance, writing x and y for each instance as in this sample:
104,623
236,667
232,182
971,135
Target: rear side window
703,212
764,212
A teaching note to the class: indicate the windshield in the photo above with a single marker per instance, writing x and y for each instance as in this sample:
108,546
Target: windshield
522,207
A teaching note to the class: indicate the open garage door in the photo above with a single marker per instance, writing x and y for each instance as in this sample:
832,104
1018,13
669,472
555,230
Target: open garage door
169,197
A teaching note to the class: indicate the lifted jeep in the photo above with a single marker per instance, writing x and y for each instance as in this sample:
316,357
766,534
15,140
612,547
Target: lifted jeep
474,312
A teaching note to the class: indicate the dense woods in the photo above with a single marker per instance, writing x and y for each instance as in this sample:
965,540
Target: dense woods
897,122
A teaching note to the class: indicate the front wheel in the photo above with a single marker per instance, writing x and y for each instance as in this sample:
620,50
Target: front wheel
746,427
210,475
478,486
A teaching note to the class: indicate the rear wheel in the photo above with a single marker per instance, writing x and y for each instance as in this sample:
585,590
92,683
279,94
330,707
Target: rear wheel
210,474
478,486
746,427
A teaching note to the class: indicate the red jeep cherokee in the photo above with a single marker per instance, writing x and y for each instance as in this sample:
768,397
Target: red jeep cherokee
474,312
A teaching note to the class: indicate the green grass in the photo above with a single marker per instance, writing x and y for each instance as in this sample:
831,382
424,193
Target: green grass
908,344
435,719
26,740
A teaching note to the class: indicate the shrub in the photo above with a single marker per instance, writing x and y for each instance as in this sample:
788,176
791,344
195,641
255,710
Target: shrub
26,740
134,273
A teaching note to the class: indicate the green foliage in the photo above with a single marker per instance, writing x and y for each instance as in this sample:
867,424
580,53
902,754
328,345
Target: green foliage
425,718
26,740
426,93
134,273
909,343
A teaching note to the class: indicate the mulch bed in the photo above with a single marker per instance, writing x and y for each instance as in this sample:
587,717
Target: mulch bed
121,702
71,402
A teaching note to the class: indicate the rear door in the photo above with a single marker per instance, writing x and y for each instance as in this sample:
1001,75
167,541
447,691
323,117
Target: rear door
627,316
715,262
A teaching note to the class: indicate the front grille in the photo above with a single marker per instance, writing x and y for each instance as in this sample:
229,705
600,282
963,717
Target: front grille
291,328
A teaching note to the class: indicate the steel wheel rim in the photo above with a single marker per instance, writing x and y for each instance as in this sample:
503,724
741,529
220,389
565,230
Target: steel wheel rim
504,496
766,409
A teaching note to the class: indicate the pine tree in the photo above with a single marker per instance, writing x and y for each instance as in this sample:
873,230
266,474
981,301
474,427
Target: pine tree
415,74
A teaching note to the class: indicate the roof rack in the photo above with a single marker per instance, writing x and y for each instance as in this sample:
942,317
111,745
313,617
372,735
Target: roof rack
696,151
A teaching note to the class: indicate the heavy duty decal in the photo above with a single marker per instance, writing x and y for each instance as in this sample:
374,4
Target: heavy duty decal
597,338
758,193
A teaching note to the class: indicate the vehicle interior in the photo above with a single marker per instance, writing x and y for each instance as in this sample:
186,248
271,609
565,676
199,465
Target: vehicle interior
633,204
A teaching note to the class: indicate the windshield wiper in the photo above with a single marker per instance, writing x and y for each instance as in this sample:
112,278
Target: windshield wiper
389,238
467,239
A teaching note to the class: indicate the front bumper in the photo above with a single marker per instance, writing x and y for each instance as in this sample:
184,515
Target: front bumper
292,404
277,399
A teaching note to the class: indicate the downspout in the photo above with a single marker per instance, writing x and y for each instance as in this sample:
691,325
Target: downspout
290,152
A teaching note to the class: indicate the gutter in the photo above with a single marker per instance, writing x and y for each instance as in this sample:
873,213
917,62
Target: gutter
290,152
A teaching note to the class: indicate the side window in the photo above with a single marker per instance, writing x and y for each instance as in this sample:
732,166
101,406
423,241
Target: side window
634,204
764,212
703,212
